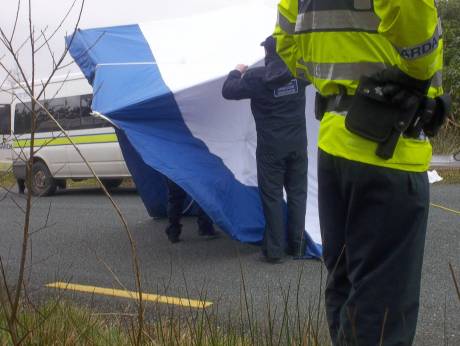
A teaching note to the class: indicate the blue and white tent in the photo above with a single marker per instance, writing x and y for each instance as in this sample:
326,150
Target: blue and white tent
160,84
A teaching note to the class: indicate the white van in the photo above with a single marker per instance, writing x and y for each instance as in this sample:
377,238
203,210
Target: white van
5,131
68,99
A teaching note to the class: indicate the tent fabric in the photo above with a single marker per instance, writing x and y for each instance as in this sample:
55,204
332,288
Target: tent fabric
160,84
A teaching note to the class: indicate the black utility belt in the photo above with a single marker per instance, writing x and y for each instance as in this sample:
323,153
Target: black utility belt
370,115
334,103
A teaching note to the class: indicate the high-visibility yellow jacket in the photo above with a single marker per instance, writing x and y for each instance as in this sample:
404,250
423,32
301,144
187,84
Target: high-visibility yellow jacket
335,42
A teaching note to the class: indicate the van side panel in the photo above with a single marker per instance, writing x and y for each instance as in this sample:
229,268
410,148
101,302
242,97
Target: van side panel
69,100
101,149
5,136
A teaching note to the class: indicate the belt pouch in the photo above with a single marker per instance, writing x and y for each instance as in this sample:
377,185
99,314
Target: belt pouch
373,117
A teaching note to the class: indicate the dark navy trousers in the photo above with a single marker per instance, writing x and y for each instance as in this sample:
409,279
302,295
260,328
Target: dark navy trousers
176,199
373,226
277,169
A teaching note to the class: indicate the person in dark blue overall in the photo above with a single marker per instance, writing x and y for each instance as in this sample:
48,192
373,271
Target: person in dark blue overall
176,199
278,106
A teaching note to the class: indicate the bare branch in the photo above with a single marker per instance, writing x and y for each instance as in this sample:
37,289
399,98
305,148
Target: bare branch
42,34
135,263
46,142
4,39
106,265
44,317
15,21
17,205
7,309
43,260
49,50
22,156
30,90
4,281
22,45
18,65
453,122
66,50
45,226
25,239
14,326
70,63
3,82
7,189
454,279
10,75
60,24
61,86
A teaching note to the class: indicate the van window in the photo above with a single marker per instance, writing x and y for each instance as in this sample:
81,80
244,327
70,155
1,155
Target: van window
70,118
22,115
44,122
72,113
87,120
5,120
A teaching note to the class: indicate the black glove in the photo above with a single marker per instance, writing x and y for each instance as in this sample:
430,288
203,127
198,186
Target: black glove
400,88
432,125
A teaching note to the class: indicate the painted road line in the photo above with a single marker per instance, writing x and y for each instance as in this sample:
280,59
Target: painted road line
184,302
445,208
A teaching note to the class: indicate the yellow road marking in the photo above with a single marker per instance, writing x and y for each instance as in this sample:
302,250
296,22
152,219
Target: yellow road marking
191,303
446,209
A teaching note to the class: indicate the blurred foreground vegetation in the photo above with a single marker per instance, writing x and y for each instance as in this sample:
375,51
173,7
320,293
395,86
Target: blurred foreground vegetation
448,140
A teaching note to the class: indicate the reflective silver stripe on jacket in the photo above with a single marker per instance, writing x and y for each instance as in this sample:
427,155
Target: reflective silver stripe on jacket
436,82
350,71
342,71
425,48
285,24
337,20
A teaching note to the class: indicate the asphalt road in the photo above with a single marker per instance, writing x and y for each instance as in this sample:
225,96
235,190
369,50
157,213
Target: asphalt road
77,238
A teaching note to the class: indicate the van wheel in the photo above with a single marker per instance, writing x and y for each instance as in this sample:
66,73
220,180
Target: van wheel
43,183
111,183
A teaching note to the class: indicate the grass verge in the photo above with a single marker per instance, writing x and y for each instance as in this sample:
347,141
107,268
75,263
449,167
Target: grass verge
65,323
447,141
7,179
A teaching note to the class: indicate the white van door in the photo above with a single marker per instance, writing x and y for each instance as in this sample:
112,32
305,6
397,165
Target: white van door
49,142
96,140
5,136
54,151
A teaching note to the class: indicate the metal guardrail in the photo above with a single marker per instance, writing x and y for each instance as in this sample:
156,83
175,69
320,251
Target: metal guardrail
446,161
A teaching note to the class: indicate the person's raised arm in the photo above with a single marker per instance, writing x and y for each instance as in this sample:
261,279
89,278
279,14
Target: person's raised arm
236,87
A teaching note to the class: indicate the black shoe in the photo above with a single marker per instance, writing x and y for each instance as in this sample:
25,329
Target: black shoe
271,260
174,238
173,232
